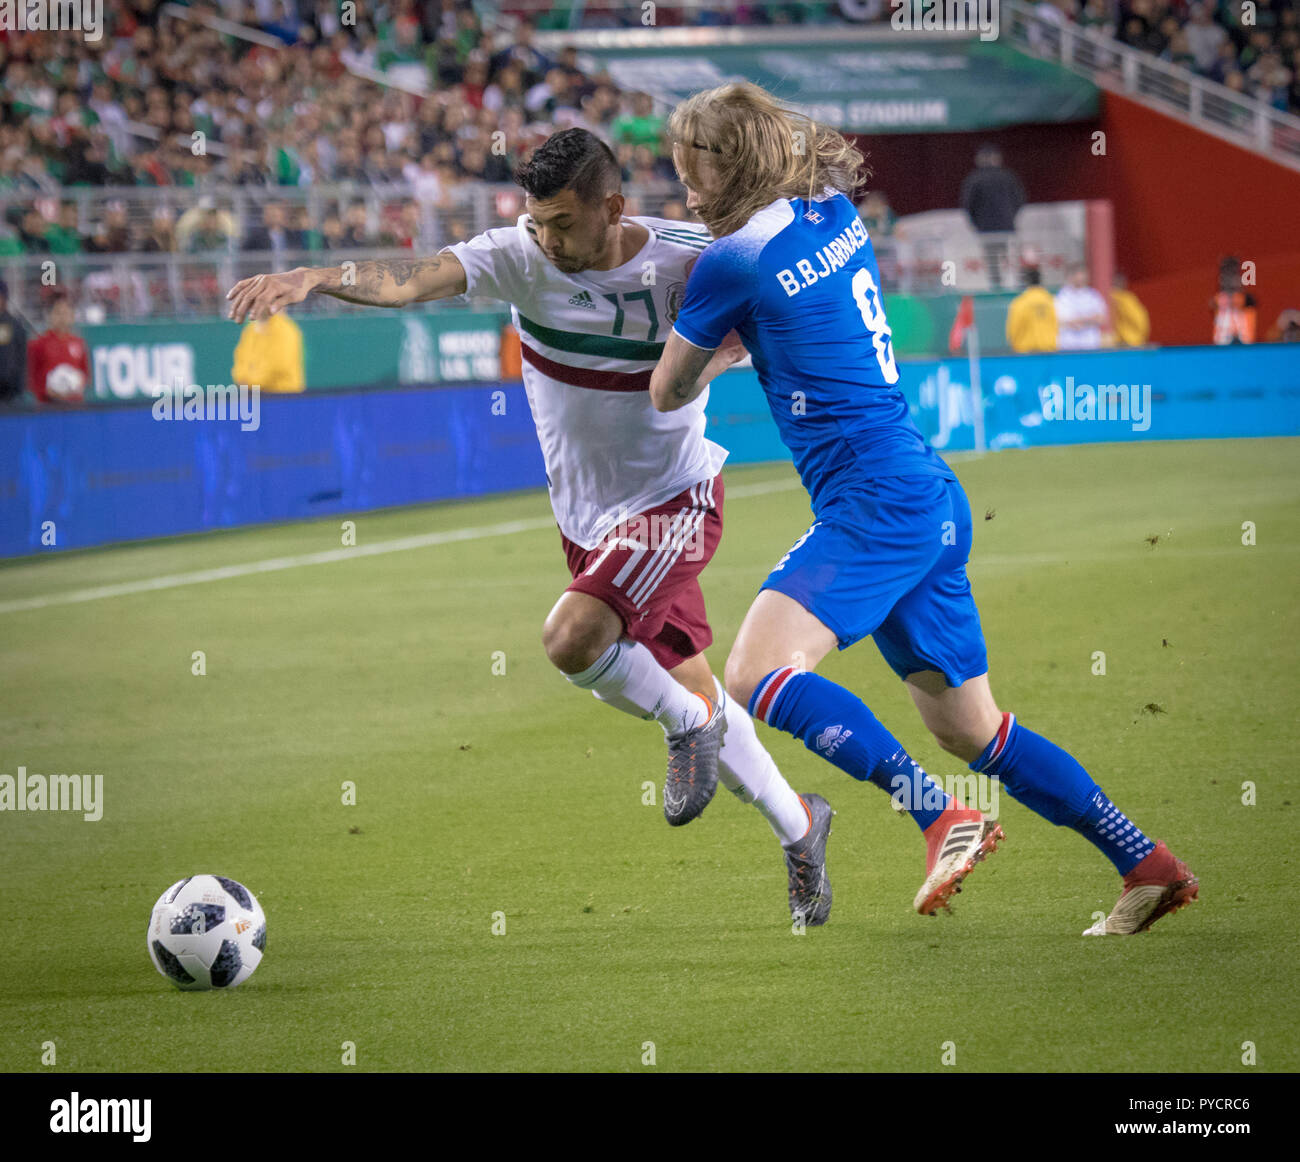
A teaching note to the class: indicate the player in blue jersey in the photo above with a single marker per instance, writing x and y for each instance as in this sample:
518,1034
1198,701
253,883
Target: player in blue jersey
792,273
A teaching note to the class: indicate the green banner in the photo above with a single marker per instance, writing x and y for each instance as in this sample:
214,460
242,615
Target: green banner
921,326
133,360
908,86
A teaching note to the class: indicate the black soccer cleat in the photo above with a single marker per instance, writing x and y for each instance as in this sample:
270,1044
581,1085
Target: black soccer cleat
693,767
805,860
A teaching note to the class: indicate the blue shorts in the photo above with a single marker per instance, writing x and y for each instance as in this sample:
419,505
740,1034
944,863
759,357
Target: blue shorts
889,560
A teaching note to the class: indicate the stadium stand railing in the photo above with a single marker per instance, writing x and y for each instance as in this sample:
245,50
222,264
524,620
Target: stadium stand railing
136,287
1170,88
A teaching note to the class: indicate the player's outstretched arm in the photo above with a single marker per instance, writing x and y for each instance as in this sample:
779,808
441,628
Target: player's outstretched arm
377,283
684,370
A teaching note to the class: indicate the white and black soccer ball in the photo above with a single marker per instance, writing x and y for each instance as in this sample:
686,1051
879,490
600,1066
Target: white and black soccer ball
207,932
65,381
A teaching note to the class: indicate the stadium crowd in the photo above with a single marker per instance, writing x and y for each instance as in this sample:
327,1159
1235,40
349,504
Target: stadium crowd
167,103
161,102
1253,49
164,102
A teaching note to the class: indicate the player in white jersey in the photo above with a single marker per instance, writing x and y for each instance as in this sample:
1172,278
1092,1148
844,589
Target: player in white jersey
637,494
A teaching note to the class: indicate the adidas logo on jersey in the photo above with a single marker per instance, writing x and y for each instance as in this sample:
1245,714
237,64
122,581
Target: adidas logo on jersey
583,299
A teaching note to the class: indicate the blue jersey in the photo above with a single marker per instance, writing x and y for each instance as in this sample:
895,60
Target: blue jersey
800,285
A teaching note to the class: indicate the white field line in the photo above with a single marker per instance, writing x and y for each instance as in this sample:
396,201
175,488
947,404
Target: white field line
330,556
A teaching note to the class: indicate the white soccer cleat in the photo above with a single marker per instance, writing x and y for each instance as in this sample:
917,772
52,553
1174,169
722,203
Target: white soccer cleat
1160,884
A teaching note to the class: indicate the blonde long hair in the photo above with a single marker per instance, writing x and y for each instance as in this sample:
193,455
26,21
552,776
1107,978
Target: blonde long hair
761,151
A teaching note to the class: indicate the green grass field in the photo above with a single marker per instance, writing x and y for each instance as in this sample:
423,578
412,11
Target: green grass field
479,792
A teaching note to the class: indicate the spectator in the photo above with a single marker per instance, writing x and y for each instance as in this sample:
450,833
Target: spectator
348,167
331,231
1131,321
1256,46
424,181
161,238
1049,17
245,169
1234,306
309,236
1080,313
642,126
507,90
532,63
356,227
579,82
1031,317
1178,51
204,228
1205,38
552,100
10,243
1224,63
600,108
479,165
269,355
992,196
63,236
407,229
1097,15
58,363
1270,79
13,351
113,233
1287,327
1236,81
877,215
31,232
88,162
275,233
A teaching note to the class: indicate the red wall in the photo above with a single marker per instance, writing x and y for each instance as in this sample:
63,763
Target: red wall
1183,200
924,171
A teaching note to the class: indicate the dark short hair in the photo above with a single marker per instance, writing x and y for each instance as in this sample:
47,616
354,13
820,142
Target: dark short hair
573,159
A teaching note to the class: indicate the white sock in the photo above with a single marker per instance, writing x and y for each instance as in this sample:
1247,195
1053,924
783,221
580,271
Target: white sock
627,677
751,774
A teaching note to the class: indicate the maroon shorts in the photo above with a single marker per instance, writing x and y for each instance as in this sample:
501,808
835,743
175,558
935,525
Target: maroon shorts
647,571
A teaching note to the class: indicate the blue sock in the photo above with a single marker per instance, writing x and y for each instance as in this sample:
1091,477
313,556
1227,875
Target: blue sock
1047,780
837,724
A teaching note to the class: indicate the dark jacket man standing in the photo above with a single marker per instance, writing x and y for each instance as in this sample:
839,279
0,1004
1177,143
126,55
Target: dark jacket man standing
13,351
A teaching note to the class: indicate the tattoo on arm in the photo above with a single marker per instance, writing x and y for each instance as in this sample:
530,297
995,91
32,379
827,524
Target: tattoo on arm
379,283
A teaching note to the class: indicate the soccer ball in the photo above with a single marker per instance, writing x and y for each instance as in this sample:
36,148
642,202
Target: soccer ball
207,932
65,382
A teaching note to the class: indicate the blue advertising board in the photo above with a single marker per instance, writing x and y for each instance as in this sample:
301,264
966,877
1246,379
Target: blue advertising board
88,477
1174,393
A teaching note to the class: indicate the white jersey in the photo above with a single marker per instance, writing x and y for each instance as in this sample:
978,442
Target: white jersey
589,343
1074,303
